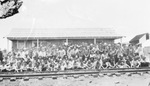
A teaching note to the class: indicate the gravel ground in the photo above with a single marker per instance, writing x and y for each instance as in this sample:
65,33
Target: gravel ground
123,80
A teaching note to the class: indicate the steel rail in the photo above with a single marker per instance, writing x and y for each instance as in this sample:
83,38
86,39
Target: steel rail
76,72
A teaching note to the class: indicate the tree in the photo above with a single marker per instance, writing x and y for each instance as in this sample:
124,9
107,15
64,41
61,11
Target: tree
9,8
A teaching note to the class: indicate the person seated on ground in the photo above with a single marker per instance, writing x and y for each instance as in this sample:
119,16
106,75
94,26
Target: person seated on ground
56,65
77,64
88,65
100,64
93,63
29,67
39,65
63,65
44,68
39,68
84,64
47,65
120,65
4,67
123,64
135,63
22,67
35,68
52,64
107,65
128,61
25,67
15,66
7,67
33,62
11,67
70,65
106,61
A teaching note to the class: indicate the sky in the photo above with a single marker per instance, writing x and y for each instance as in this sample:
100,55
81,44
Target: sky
127,17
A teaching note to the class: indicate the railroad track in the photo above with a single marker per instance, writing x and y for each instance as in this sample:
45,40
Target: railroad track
76,73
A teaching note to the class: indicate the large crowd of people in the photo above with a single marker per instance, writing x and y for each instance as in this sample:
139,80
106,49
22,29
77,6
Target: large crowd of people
61,57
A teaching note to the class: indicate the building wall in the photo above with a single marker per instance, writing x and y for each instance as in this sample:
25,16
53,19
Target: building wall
20,44
105,40
14,45
142,39
91,40
76,41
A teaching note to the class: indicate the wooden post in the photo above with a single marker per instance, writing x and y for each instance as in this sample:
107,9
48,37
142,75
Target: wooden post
121,42
94,40
37,43
24,44
17,44
32,43
67,41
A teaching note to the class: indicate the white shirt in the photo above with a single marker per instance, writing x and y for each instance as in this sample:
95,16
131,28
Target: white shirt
70,64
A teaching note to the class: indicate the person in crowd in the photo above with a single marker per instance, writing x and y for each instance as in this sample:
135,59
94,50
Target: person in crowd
1,56
60,57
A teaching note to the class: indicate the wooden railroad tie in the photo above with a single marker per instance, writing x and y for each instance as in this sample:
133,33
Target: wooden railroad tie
101,74
86,75
54,77
95,75
129,74
13,79
40,78
26,78
110,74
141,73
118,74
65,76
76,76
1,79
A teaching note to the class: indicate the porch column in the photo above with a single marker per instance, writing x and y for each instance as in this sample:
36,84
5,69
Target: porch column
67,41
121,41
17,44
37,43
24,44
95,40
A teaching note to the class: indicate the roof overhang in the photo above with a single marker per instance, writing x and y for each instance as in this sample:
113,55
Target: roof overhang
62,33
50,38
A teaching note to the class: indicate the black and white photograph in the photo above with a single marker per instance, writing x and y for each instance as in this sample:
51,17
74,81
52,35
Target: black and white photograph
74,42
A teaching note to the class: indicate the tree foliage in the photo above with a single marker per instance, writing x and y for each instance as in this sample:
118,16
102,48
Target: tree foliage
9,8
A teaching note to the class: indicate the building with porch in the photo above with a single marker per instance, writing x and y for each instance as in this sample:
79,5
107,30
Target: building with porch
33,37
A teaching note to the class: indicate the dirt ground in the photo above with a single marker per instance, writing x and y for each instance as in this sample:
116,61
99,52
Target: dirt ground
123,80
